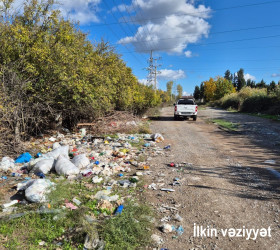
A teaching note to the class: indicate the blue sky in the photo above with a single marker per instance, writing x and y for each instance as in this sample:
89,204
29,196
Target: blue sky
196,39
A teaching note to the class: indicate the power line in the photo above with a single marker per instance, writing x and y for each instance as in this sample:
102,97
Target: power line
113,32
194,13
223,42
214,33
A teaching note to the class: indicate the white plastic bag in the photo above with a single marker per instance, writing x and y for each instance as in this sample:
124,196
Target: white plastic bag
81,161
56,145
36,190
7,163
64,166
63,151
44,166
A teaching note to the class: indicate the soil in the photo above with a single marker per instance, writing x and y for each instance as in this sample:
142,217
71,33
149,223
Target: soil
224,180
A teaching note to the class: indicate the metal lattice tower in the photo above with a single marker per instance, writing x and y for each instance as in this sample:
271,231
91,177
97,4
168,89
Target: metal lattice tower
153,70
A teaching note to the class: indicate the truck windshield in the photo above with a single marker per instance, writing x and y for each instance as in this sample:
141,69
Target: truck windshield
186,101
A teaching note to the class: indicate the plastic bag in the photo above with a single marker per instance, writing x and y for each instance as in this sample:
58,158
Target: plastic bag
63,151
36,190
56,145
7,163
65,167
23,158
81,161
44,166
157,137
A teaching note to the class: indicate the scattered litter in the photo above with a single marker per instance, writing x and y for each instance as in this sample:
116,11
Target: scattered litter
156,239
157,137
96,179
81,161
153,186
119,210
167,189
36,190
71,206
166,228
105,204
52,139
177,217
77,202
7,163
65,167
23,158
10,204
270,162
44,166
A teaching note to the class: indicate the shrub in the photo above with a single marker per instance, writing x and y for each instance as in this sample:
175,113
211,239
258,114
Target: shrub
257,103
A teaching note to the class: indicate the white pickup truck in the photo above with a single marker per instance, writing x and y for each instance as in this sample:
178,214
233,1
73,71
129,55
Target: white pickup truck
185,108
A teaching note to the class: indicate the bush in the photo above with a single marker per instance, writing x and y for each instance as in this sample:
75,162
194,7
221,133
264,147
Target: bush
258,103
231,101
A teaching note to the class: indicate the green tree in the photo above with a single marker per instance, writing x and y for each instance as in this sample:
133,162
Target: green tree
228,76
223,87
240,80
201,89
179,91
196,93
169,86
261,84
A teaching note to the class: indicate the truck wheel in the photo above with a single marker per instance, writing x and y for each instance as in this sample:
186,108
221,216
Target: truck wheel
194,118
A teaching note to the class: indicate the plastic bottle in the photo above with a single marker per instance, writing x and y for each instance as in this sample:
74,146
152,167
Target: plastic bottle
119,209
10,204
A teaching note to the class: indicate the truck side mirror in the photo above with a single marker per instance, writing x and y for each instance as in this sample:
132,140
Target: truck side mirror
174,104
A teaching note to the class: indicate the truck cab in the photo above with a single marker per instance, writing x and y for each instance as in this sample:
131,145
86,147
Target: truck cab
185,108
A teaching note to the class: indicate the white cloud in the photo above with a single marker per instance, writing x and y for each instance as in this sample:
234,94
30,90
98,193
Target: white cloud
248,76
188,54
168,25
169,74
143,81
77,10
186,93
275,75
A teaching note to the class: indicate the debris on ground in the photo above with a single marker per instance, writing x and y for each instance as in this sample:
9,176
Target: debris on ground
106,167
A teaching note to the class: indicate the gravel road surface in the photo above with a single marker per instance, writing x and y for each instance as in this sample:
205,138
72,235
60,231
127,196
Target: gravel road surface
227,182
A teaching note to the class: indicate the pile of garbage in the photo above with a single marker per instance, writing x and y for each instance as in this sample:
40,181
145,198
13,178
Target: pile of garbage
75,156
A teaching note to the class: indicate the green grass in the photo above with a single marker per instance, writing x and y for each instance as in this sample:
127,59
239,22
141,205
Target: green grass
266,116
26,232
230,126
129,230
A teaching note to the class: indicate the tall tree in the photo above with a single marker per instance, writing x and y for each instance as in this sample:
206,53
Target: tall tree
196,93
240,79
202,95
169,86
261,84
228,76
179,90
272,86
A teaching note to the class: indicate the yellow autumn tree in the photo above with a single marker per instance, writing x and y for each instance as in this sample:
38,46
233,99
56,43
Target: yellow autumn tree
209,89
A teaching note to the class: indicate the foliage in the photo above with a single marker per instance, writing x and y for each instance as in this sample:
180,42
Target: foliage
129,230
179,91
196,93
51,75
252,100
214,89
209,89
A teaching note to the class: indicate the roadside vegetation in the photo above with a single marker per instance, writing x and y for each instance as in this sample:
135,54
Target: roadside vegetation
49,226
52,76
226,125
233,93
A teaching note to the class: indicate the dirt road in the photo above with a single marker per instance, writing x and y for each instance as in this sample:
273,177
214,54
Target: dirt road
224,181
